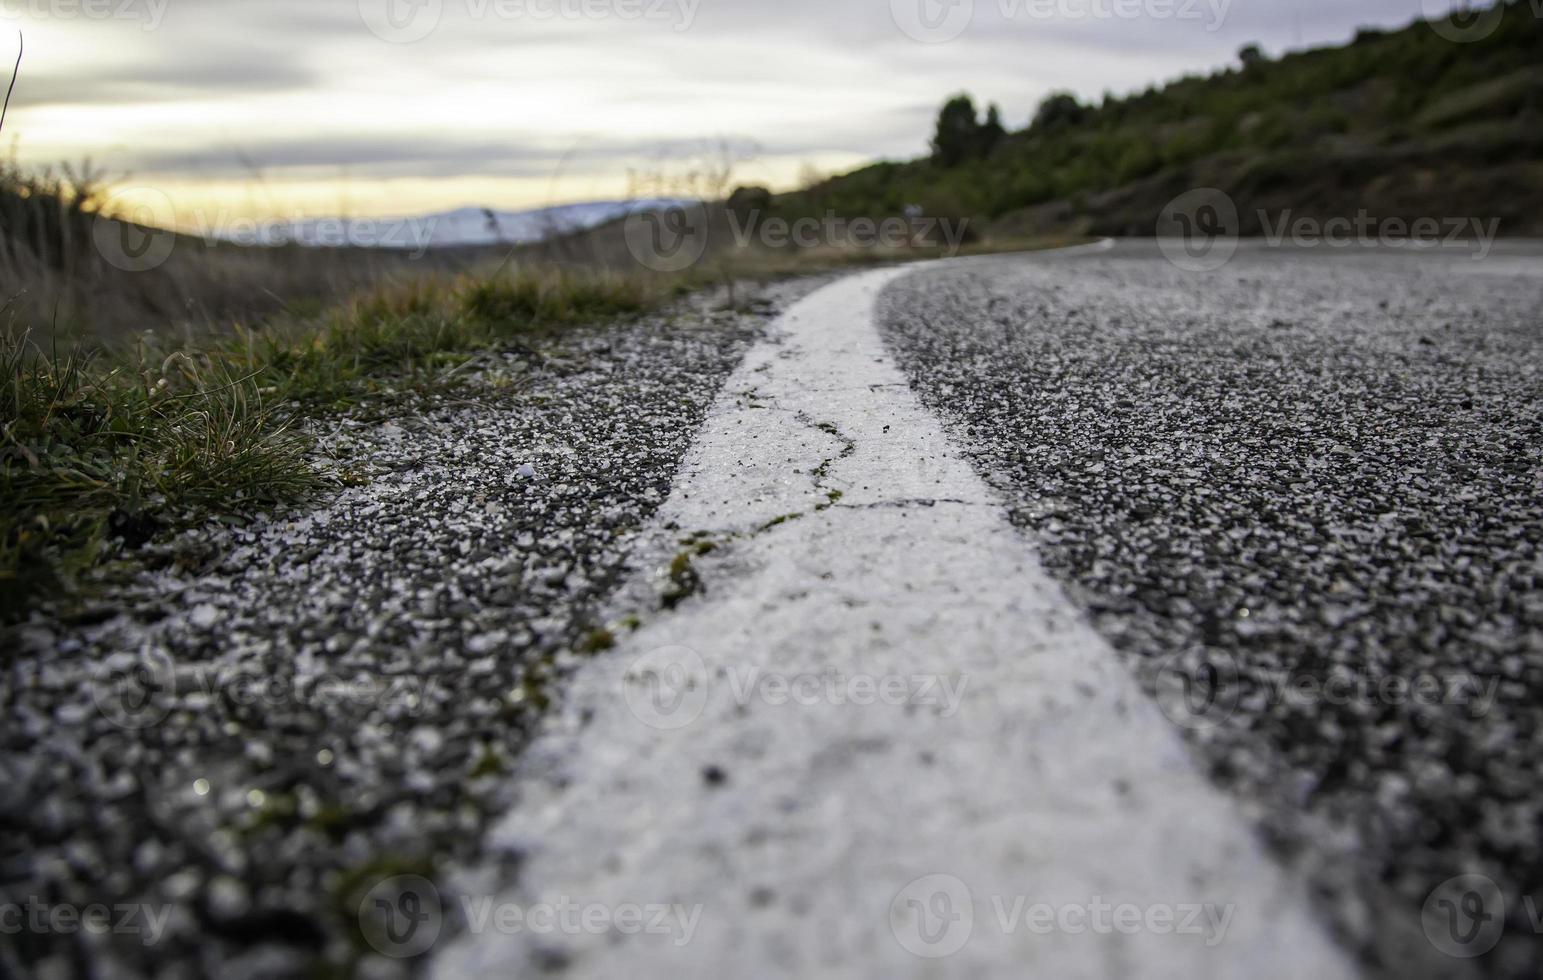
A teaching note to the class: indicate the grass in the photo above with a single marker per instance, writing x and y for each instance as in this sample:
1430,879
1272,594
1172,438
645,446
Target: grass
100,452
56,274
422,329
90,451
683,581
104,448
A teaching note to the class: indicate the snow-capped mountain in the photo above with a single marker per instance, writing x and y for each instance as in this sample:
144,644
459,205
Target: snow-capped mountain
461,227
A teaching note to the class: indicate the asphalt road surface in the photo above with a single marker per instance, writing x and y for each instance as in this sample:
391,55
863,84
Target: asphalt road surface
1064,614
1310,484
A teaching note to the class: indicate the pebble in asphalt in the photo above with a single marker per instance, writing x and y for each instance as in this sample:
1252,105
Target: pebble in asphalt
1303,495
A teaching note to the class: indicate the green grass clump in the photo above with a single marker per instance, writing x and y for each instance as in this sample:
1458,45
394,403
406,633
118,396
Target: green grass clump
683,581
418,331
397,333
90,451
537,300
96,447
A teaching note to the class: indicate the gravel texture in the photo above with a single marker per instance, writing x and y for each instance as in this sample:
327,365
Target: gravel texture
281,713
1306,467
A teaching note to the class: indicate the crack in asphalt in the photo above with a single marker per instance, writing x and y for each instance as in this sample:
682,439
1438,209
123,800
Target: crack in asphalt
1017,758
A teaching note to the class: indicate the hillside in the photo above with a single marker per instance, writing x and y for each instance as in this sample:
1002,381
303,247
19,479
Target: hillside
67,269
1398,124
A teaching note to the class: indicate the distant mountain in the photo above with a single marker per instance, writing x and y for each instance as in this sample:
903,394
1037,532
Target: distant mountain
462,227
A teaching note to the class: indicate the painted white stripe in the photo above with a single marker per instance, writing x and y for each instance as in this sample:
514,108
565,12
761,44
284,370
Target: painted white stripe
1031,786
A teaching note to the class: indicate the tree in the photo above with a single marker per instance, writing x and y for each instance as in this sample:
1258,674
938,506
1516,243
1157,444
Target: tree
958,133
961,136
747,202
1058,109
1252,57
992,132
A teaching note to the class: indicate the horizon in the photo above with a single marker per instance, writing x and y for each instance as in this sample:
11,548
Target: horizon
624,98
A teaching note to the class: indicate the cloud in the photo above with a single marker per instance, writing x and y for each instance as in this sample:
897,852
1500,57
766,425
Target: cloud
501,88
386,157
132,82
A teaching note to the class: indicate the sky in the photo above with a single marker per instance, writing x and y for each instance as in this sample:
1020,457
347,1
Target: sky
292,108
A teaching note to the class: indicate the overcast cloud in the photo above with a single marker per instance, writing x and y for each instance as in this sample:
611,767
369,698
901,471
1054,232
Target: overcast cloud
420,103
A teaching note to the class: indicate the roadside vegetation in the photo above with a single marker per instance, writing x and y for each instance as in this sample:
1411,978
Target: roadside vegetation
102,450
104,447
55,273
1403,123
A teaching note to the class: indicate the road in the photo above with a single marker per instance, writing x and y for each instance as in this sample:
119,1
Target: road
1060,614
1318,472
1236,609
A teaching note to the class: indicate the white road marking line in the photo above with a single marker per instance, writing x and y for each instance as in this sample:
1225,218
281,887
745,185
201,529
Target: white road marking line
1026,812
